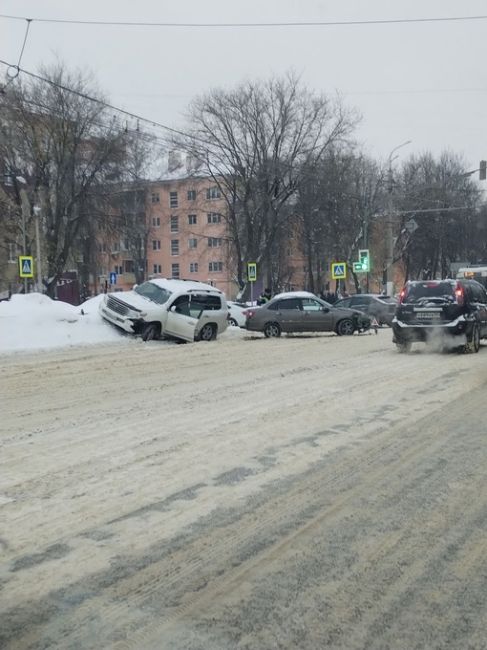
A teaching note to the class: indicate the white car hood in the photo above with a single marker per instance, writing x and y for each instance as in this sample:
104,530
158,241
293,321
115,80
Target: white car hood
133,299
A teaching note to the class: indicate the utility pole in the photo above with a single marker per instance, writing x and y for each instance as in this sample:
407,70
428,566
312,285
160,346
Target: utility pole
25,210
366,246
389,276
37,212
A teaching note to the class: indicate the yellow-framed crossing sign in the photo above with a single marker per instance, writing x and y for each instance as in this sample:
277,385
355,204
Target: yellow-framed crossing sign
26,266
339,270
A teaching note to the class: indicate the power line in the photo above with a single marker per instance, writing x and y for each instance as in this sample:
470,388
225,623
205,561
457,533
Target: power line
25,41
310,23
105,104
102,102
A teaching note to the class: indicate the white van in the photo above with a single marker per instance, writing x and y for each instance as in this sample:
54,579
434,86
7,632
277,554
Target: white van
180,309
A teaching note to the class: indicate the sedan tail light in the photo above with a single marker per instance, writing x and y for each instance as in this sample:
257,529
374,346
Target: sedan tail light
248,313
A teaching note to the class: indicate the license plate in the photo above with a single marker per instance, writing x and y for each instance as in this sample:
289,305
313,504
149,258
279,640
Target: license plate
430,315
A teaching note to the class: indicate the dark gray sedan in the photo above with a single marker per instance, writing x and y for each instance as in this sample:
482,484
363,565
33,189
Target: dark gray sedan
377,306
300,311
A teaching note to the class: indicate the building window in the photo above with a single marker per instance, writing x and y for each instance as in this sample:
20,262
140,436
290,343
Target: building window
214,242
156,222
12,252
175,270
192,219
156,244
128,266
193,267
173,199
193,243
191,195
115,247
155,198
174,224
213,193
157,268
102,247
215,267
174,246
214,217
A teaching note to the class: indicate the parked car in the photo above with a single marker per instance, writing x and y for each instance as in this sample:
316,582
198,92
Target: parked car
452,312
380,307
236,313
300,311
180,309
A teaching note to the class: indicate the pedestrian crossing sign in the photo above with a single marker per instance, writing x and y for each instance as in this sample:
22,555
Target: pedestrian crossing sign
251,271
339,270
26,266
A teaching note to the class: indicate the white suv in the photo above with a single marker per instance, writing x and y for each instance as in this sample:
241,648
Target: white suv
180,309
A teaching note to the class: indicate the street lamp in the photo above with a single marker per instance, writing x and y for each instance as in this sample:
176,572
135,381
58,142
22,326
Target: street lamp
37,211
389,240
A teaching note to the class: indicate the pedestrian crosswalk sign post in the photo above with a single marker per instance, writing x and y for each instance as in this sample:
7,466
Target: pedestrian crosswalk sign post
26,266
251,271
339,270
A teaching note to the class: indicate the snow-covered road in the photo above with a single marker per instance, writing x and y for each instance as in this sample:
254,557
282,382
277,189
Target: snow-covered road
305,492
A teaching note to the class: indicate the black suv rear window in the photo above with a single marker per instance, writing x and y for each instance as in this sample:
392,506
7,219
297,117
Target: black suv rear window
415,292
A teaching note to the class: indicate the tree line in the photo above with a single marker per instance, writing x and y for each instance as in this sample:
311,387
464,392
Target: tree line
285,159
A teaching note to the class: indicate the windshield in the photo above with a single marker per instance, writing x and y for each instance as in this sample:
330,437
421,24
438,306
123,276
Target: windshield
420,291
153,292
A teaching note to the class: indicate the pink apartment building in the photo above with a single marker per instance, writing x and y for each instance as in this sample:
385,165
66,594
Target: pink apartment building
188,237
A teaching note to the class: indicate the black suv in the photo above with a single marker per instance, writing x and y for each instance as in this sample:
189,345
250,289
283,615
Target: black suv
452,312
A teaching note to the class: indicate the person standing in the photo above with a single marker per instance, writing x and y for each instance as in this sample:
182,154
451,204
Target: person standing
264,297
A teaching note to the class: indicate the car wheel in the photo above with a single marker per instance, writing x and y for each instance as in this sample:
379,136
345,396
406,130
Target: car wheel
345,327
473,341
272,330
232,321
207,332
403,348
151,332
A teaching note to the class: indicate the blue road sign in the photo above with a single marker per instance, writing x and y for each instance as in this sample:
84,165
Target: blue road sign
339,270
251,271
26,266
113,278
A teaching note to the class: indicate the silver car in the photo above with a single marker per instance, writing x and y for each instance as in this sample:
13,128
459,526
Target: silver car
301,311
380,307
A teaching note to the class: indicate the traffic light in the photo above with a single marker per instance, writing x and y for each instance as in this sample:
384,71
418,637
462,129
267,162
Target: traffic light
483,170
364,259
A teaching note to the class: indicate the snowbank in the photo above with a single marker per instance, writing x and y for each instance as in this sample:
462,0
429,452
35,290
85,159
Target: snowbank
34,321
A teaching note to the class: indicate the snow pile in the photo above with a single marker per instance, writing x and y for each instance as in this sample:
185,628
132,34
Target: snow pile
34,321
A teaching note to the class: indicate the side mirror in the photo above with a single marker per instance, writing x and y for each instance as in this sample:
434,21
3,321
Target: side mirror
173,308
325,309
135,286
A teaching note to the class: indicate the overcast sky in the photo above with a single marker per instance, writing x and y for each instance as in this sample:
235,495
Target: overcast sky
423,82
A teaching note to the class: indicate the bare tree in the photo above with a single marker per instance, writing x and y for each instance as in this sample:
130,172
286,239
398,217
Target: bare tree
441,197
65,144
254,142
337,199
